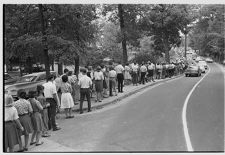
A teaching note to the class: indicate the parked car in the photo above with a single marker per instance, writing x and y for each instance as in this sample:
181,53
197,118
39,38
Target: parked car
193,69
28,82
9,79
209,60
203,63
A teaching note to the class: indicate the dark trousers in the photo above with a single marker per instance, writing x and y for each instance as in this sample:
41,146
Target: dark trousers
85,92
120,79
51,113
135,78
143,77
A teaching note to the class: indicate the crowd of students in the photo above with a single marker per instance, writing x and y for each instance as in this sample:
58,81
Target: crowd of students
34,113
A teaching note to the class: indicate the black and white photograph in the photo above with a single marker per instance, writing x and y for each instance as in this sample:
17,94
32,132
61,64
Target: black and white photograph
113,77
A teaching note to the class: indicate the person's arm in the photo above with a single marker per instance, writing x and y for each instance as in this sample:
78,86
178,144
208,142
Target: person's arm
55,95
30,109
39,105
16,118
19,124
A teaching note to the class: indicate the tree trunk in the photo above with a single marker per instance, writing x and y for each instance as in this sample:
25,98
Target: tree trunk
77,62
44,41
60,68
122,27
167,49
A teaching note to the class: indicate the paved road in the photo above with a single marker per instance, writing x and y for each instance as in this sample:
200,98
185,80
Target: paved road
151,120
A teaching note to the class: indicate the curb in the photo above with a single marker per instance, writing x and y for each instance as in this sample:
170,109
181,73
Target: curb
127,95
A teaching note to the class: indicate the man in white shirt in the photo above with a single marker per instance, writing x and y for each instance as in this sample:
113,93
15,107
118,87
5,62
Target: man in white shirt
52,98
151,68
135,73
85,84
143,70
112,81
119,71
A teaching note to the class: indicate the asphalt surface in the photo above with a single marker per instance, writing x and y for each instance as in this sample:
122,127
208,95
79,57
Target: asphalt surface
150,120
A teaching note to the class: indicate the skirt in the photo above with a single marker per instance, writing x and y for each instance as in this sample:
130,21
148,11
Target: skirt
45,119
37,121
66,101
127,75
98,85
11,135
25,121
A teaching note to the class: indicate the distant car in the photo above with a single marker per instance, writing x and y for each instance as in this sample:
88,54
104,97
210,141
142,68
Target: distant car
209,60
203,63
8,79
28,82
193,70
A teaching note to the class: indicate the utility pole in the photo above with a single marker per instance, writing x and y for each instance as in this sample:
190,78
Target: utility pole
44,41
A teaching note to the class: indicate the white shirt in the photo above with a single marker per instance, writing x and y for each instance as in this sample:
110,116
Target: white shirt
151,66
112,73
49,90
98,75
85,82
135,68
119,69
11,114
143,68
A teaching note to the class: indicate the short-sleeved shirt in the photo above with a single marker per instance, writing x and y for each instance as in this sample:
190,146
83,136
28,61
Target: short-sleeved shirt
23,106
151,66
143,68
135,68
36,105
98,75
85,82
11,113
42,100
72,79
66,87
112,74
119,69
49,89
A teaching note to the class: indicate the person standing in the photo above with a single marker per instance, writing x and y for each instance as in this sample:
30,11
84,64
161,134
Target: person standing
112,81
45,105
135,73
24,110
11,121
90,74
119,71
85,84
51,96
36,118
143,70
151,68
98,78
72,79
127,76
66,99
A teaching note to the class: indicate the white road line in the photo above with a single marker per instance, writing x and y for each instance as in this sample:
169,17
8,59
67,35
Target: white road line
185,128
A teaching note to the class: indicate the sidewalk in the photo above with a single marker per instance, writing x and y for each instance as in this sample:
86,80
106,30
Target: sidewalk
128,90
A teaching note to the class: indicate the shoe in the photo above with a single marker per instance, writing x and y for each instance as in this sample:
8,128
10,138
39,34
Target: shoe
99,101
25,149
89,110
71,116
45,135
39,143
55,129
21,150
31,143
81,112
67,117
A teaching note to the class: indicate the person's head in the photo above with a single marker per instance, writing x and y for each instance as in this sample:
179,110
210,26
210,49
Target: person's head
32,94
135,63
89,68
65,71
84,72
70,73
40,89
50,77
64,78
98,68
21,93
8,100
111,68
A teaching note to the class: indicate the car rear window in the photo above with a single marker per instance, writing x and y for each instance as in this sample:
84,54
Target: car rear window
27,79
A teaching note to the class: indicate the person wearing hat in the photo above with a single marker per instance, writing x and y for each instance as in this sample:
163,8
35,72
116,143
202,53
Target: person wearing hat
51,96
11,121
24,110
98,78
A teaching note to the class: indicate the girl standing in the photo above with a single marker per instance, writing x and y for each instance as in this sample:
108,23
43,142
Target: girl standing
36,119
11,135
98,78
66,99
45,105
24,110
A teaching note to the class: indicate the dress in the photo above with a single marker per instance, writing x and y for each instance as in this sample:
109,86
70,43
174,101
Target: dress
36,116
66,99
44,113
127,75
